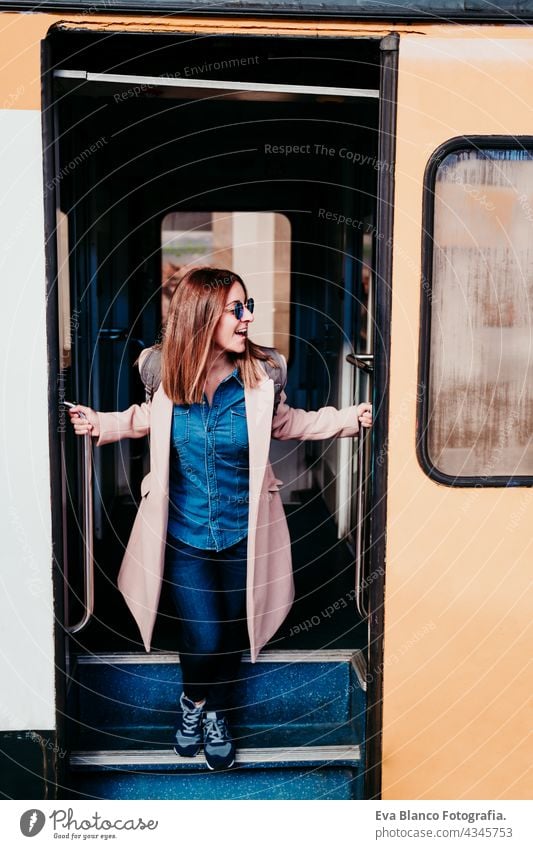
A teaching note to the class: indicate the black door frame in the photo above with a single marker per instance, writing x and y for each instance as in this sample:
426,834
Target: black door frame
382,320
382,311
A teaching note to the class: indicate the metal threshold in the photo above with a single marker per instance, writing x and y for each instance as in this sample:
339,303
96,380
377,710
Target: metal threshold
167,757
126,87
266,656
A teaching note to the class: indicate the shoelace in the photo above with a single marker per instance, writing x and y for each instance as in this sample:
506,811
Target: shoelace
216,730
190,720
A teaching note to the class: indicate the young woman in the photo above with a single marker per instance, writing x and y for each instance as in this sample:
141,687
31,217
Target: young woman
211,521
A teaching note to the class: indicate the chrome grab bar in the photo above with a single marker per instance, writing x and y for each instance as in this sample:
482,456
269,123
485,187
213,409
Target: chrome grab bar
364,362
359,529
88,552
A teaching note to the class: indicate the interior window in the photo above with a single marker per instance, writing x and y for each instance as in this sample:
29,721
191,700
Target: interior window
256,245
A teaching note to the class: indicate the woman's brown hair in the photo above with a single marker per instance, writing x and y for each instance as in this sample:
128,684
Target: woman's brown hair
193,314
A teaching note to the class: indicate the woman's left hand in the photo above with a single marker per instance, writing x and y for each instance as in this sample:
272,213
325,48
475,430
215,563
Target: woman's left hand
364,414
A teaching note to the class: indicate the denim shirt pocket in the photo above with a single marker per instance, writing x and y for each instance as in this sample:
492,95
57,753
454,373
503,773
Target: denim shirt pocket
239,427
180,426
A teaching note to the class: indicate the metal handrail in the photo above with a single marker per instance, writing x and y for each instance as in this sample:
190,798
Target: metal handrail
365,363
88,543
360,526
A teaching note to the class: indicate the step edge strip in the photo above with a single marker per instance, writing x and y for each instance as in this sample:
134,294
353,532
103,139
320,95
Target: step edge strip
298,655
359,666
144,757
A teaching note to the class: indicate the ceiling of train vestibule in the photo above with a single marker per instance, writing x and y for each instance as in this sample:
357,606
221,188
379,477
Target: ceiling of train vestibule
249,59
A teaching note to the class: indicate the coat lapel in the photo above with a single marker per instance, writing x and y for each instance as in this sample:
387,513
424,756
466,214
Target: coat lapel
259,403
160,437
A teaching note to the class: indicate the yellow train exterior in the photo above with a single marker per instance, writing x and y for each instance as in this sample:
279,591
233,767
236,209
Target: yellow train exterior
457,635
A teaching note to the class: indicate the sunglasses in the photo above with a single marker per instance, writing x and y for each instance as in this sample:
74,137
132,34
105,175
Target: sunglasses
238,308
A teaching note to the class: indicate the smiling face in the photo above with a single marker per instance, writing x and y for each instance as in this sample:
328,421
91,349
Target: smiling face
231,333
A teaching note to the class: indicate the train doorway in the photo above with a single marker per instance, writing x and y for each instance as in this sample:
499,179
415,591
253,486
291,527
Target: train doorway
252,154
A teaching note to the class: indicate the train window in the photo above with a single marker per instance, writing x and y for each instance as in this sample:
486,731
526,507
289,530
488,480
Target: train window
256,245
476,354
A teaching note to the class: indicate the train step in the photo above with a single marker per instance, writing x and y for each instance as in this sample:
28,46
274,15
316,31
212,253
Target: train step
299,729
300,687
285,734
314,772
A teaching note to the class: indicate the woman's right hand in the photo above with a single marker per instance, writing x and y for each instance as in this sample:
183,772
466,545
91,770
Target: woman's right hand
86,423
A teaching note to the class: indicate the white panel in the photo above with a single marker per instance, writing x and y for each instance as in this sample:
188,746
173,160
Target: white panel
253,260
26,606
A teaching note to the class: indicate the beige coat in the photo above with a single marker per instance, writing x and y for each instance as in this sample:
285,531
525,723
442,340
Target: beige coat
270,587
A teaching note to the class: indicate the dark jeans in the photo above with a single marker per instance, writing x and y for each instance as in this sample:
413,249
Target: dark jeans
209,593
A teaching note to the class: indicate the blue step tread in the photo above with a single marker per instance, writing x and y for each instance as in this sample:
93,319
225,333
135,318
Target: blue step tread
245,736
270,692
335,783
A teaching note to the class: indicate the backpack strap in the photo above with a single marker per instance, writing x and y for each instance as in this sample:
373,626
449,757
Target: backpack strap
150,370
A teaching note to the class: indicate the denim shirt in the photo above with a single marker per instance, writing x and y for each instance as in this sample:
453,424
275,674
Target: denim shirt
209,471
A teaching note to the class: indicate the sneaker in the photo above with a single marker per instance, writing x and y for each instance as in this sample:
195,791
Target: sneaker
189,729
219,748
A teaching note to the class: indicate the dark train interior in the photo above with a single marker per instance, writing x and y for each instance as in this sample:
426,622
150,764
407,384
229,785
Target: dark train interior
132,154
